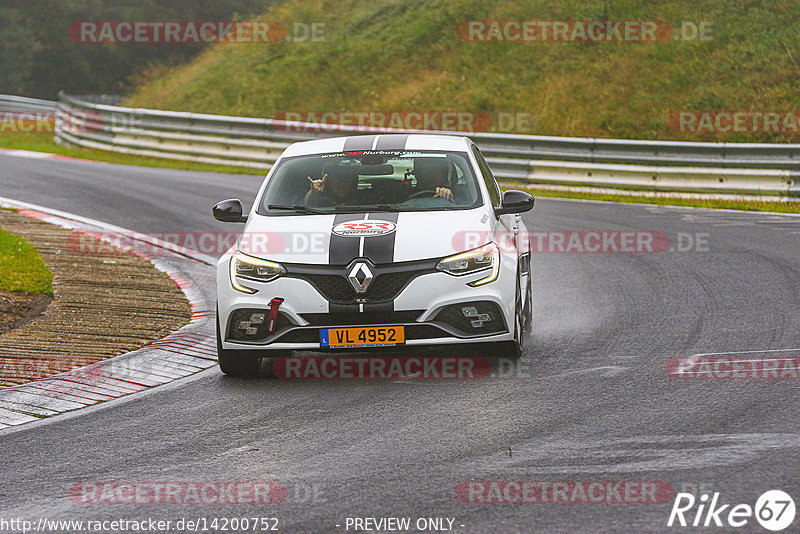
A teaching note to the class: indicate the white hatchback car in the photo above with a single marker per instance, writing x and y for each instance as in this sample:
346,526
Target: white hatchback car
375,241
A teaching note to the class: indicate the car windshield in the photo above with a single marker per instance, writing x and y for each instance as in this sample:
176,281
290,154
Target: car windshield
371,180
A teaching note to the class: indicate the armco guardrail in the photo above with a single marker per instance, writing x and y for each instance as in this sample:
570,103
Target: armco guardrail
752,168
22,104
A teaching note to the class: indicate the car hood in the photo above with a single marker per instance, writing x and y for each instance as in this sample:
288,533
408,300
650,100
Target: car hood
337,239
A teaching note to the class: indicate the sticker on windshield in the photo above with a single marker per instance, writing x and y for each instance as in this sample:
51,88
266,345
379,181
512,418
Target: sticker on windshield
369,228
395,153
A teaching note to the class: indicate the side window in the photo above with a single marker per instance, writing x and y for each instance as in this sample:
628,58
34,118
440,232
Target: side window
488,178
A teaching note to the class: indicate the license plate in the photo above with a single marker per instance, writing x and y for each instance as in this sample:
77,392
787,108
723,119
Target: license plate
362,337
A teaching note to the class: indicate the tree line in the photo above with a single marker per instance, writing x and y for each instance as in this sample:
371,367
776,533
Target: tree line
38,58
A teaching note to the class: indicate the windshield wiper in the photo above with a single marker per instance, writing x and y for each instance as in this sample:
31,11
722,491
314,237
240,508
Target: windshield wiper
369,207
298,209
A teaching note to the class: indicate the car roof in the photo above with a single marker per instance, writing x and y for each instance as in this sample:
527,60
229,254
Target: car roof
356,143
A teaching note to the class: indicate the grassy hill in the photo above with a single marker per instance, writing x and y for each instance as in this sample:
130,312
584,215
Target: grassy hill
392,55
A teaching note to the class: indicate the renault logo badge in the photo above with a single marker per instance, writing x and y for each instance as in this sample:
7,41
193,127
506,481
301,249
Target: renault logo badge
360,276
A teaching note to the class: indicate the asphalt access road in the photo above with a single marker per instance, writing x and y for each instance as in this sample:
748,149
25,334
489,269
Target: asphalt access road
590,401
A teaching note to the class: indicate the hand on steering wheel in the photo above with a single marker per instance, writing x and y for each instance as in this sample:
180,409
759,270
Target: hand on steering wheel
429,193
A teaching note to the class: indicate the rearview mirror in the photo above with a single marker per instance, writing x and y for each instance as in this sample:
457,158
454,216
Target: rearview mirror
375,170
515,202
229,211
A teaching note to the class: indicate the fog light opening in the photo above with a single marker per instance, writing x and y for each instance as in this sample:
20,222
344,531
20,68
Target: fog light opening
476,319
250,327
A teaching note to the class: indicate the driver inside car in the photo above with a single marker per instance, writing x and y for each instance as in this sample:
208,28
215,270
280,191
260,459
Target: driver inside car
432,175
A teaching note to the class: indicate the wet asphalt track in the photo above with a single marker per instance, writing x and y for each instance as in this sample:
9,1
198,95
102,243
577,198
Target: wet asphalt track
590,401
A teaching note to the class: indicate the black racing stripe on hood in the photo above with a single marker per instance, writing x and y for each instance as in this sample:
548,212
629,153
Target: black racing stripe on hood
343,250
360,142
392,142
380,249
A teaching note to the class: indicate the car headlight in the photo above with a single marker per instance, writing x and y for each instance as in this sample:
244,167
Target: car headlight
485,258
247,267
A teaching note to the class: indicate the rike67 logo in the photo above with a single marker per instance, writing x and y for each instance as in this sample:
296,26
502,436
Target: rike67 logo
774,510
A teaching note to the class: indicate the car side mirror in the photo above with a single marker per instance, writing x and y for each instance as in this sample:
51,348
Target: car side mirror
515,202
229,211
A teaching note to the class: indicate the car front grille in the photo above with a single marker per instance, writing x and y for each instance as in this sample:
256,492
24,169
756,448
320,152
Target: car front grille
333,287
332,283
337,289
388,286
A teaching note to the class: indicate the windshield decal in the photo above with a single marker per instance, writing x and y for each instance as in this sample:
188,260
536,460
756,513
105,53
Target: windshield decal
396,153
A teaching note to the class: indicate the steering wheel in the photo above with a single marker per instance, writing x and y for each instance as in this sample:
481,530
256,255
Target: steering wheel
429,194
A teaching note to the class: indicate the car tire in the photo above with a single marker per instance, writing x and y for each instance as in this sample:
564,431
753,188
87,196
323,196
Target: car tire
236,362
528,325
513,349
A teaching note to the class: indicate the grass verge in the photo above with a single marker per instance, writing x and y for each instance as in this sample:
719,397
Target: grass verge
742,205
21,267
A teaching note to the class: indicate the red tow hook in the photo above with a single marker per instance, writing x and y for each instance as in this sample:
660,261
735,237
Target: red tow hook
272,322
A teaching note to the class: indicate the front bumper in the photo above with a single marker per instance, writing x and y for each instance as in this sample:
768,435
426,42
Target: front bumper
429,305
